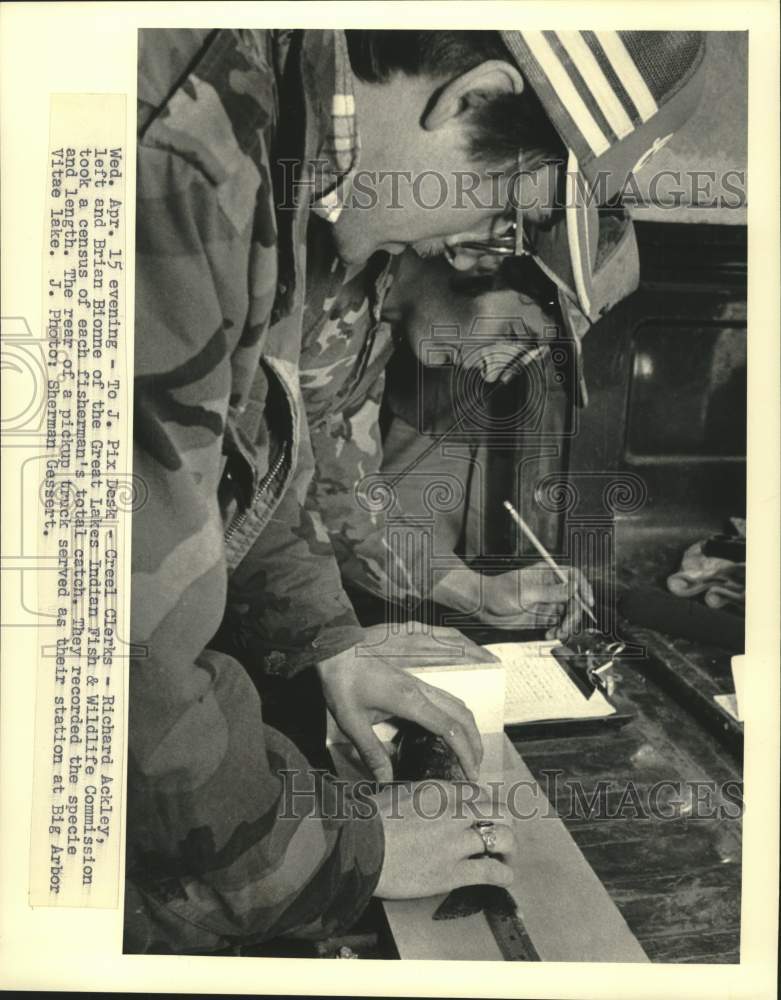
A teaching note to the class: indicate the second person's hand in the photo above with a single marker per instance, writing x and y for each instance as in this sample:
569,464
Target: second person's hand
534,597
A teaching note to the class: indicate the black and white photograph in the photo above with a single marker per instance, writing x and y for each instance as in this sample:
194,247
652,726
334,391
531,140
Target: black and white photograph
391,457
440,399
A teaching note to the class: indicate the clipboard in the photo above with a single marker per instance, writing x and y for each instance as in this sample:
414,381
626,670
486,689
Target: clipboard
548,729
555,690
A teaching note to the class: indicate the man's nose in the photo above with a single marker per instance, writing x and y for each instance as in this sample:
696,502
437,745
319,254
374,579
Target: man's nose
461,260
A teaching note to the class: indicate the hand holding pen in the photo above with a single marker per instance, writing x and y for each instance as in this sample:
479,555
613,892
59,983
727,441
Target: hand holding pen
562,576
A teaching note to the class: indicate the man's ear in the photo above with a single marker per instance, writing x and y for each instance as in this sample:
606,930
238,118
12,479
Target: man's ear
490,78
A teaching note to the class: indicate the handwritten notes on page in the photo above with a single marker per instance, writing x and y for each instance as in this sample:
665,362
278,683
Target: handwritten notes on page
537,687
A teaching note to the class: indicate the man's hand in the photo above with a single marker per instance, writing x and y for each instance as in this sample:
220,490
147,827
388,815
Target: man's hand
533,597
425,856
361,690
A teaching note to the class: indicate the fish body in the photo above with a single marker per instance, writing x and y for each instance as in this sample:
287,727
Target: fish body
422,755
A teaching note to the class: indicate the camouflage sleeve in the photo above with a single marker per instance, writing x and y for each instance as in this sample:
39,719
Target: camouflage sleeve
235,839
210,859
287,609
379,550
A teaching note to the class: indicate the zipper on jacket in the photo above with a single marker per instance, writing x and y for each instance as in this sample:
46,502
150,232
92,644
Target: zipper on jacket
260,489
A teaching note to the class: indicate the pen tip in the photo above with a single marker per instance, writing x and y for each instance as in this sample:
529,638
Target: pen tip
507,505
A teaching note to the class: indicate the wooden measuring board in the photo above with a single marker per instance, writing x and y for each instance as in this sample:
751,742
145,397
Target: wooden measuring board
565,910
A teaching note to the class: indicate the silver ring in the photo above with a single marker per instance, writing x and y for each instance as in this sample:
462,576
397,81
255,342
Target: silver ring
486,830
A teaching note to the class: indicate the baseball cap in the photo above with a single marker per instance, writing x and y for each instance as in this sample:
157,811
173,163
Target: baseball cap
615,98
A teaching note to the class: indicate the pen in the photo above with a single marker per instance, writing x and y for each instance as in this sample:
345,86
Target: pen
544,553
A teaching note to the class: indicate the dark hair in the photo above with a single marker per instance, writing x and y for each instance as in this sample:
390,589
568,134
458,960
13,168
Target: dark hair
501,126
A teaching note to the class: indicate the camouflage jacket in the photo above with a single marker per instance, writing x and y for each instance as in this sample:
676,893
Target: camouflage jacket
222,446
345,349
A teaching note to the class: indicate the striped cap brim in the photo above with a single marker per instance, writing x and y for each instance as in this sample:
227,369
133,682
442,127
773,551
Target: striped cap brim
590,255
614,98
599,88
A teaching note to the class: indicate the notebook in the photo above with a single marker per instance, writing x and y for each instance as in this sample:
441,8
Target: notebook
538,688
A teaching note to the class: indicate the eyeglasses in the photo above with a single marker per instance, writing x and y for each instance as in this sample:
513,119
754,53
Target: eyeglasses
499,246
505,245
